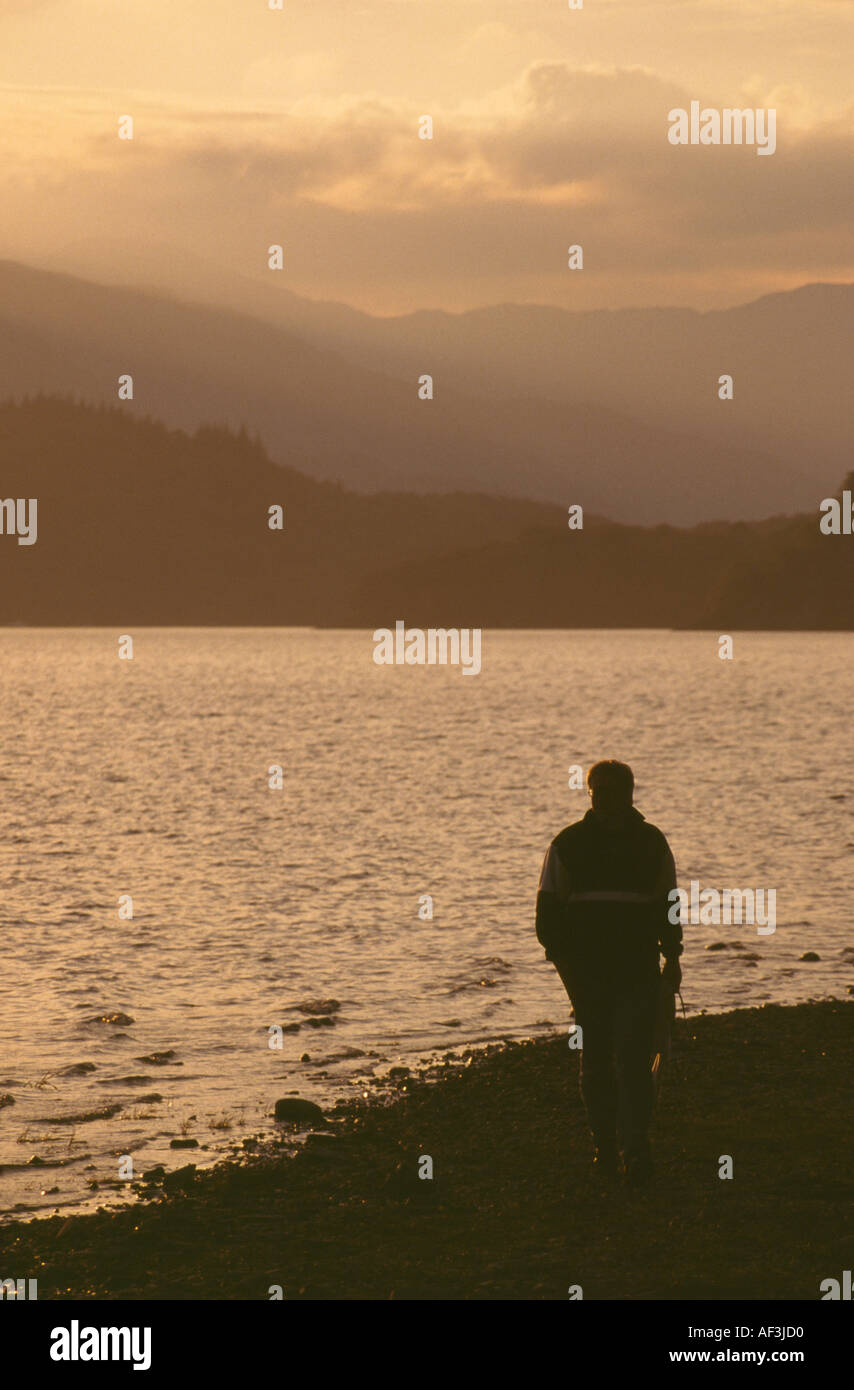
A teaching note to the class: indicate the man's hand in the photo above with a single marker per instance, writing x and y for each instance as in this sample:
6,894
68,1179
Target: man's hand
671,975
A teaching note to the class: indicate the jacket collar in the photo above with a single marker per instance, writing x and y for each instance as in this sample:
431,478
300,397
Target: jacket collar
633,817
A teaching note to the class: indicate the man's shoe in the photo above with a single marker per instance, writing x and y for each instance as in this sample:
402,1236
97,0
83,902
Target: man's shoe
638,1173
606,1163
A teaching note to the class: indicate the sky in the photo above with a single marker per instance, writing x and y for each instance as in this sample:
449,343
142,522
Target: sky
299,127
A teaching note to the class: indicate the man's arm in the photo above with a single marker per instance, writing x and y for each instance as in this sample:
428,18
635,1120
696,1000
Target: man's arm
551,898
670,931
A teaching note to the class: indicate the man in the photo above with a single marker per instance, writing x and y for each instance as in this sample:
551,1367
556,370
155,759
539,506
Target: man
602,916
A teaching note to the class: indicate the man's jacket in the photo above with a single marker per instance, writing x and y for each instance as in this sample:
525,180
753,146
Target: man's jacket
602,905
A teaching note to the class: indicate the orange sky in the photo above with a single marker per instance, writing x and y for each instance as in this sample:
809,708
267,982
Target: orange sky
255,126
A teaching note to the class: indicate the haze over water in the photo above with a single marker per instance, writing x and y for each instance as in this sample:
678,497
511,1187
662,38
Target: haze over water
252,907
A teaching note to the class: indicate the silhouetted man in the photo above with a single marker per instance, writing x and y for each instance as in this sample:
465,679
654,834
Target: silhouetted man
602,916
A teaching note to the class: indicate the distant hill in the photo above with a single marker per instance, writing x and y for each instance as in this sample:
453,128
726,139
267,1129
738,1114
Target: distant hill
338,417
788,352
141,524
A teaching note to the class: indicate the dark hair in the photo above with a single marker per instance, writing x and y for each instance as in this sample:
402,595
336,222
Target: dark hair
612,776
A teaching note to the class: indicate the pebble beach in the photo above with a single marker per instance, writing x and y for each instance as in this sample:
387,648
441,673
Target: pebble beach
512,1209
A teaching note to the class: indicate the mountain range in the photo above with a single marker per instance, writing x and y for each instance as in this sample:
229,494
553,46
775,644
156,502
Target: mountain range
615,410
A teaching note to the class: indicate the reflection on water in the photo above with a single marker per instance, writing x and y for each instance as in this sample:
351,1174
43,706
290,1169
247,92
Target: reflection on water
299,908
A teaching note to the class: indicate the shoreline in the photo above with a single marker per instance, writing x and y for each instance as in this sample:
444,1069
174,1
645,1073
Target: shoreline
512,1210
256,1137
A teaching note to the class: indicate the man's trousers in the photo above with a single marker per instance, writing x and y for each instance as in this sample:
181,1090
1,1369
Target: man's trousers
616,1015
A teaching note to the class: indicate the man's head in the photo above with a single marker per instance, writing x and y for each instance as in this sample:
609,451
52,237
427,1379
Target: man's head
611,786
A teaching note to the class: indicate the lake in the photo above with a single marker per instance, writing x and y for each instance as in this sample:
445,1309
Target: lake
255,907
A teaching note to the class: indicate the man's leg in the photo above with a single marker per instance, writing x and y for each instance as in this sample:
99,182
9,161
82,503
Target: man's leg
636,1005
594,1014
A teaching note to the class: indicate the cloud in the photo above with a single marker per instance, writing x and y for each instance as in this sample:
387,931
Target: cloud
560,155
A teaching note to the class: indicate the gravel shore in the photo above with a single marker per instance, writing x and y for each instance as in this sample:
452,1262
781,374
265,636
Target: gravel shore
513,1210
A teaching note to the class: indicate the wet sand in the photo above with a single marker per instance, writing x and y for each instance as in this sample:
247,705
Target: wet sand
513,1210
